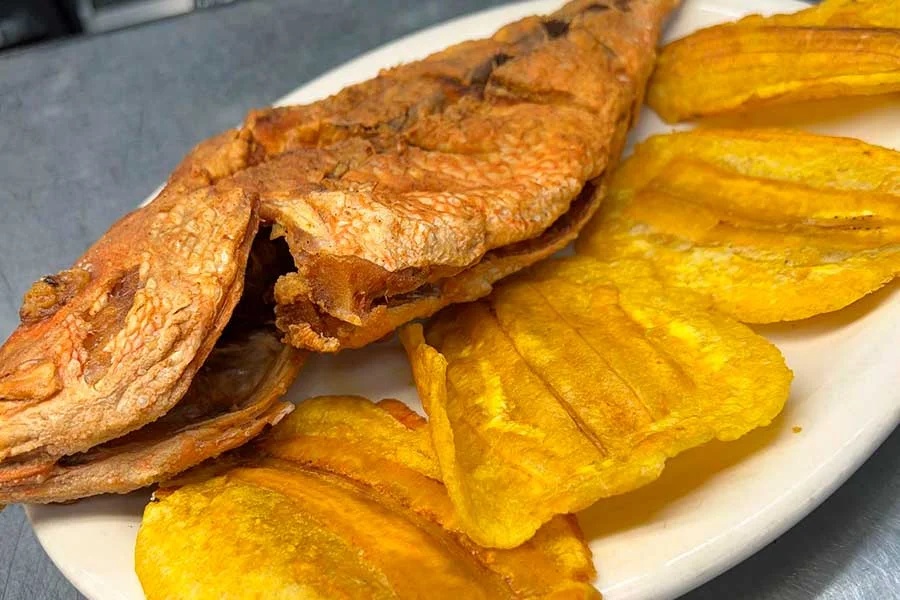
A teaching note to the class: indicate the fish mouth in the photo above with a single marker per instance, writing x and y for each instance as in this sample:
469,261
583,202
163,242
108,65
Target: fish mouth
233,396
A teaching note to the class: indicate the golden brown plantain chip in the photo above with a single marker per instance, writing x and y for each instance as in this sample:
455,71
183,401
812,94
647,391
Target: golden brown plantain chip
345,505
773,225
577,381
839,48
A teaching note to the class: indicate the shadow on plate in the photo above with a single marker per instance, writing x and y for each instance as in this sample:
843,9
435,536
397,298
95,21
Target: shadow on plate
843,549
833,321
682,475
813,115
126,506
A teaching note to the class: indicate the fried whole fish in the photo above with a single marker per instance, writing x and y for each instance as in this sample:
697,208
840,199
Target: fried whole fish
380,204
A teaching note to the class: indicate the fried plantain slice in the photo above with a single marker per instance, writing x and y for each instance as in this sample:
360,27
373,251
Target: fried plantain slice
576,382
773,225
839,48
343,502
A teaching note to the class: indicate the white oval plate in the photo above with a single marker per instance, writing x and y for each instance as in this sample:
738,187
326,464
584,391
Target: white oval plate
713,507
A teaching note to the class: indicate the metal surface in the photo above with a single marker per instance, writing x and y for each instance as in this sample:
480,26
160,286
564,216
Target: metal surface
106,18
99,16
89,127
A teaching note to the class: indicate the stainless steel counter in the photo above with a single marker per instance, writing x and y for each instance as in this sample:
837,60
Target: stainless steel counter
90,126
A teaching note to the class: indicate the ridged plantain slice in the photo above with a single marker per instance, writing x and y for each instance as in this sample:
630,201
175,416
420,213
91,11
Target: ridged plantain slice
343,502
577,381
772,225
839,48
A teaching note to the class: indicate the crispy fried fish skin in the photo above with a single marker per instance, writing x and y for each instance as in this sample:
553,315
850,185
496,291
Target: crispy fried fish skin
394,192
772,225
495,140
346,505
576,381
839,48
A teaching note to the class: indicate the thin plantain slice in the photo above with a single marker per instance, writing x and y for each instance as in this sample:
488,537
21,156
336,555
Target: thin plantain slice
576,382
773,225
342,501
839,48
